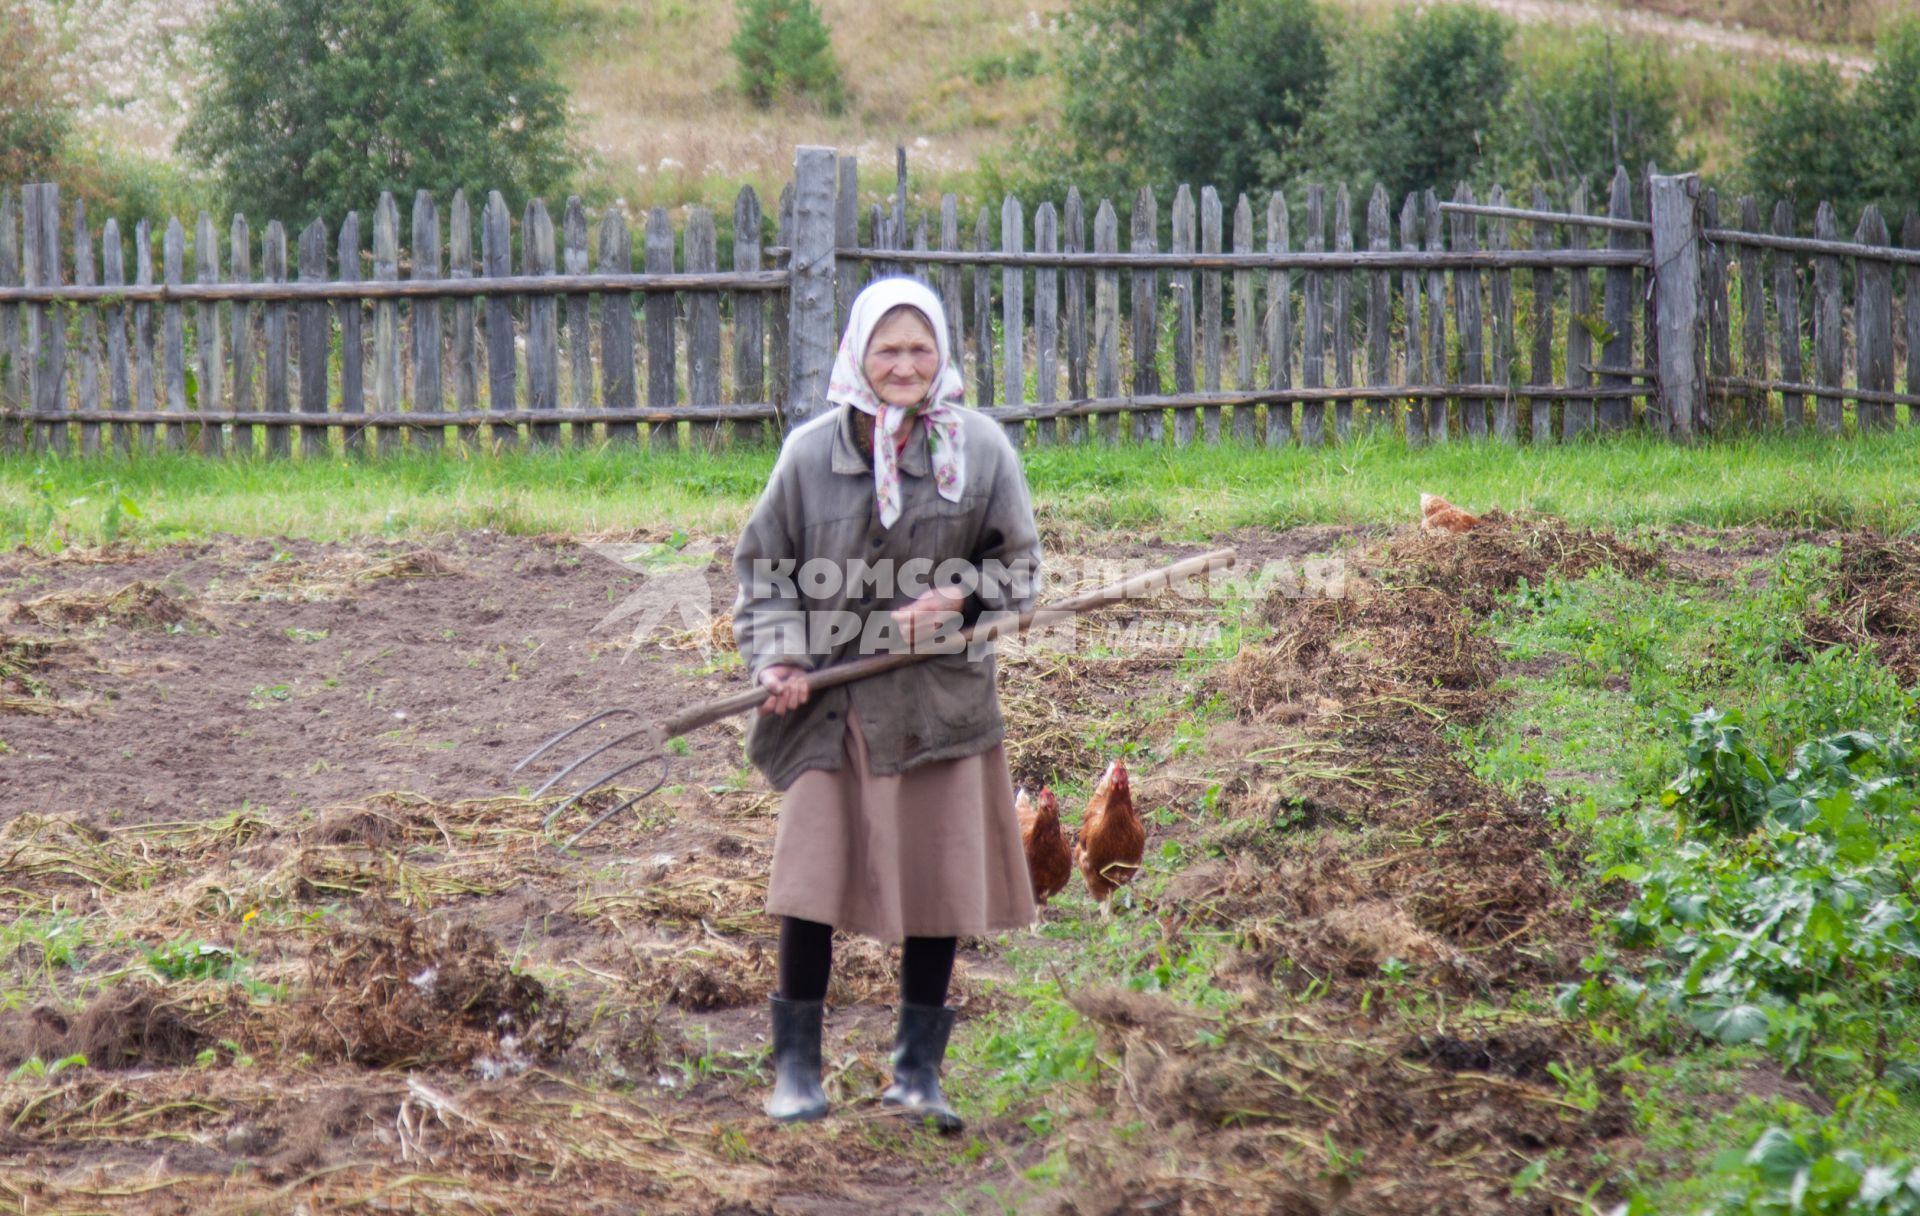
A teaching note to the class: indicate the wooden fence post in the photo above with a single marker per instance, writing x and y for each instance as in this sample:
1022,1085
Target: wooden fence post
1468,317
1245,336
1343,313
702,256
1682,312
273,269
616,327
1211,223
1106,318
1379,312
502,360
466,350
206,256
12,363
982,313
1075,282
240,269
1416,365
749,317
173,257
1786,294
353,346
119,378
1436,321
1753,316
811,323
427,395
1616,412
846,235
1013,225
46,334
661,344
386,322
1540,364
1506,425
578,318
86,352
1829,338
1873,324
1910,310
1148,425
1713,272
313,343
1313,345
1180,282
1046,323
1279,323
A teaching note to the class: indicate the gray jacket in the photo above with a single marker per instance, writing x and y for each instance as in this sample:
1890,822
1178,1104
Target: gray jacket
818,507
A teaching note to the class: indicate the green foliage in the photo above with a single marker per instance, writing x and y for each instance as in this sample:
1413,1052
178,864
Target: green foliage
1584,105
1805,1171
34,123
784,50
313,107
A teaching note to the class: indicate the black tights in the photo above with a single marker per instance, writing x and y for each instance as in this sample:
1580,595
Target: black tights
806,959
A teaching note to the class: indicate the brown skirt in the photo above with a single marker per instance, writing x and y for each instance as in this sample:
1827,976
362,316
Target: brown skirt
932,852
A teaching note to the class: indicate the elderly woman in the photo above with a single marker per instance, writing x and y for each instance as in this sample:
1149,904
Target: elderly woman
898,820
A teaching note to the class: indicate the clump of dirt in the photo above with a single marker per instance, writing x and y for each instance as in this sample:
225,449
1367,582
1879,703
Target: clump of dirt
336,576
1876,600
1474,568
135,1025
409,994
138,605
30,667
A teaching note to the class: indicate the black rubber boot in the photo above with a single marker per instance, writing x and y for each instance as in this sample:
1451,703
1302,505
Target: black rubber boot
797,1095
918,1049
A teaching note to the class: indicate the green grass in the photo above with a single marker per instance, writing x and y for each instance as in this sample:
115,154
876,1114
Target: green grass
1183,495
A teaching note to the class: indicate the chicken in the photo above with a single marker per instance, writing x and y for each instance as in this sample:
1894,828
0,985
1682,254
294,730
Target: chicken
1112,838
1439,515
1049,862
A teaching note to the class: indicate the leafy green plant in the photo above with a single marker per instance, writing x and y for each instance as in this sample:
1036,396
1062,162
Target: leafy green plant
34,1066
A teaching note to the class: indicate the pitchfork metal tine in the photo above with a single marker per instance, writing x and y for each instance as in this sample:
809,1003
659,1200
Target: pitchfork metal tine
599,781
568,733
562,775
666,770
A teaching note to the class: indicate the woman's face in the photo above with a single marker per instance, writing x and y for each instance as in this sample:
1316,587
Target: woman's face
902,359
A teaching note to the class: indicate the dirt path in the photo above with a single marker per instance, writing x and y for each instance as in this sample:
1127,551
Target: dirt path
1682,32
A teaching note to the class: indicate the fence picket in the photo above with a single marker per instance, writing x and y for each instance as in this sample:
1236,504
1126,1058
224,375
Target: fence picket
846,236
1013,312
1873,324
1506,426
1468,317
1106,318
537,257
749,316
1617,351
85,353
1416,364
1075,281
661,386
1786,297
1245,336
616,328
1148,425
496,261
1342,311
119,372
386,321
1436,428
1180,284
1910,310
1828,336
353,345
425,316
1753,313
313,343
703,328
1379,312
206,255
1540,364
273,269
173,338
1210,309
245,318
577,320
1279,324
1713,281
466,349
780,316
1313,342
1046,322
12,356
983,314
1577,418
950,297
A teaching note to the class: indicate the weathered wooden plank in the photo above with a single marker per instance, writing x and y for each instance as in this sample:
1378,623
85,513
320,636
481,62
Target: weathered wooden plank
577,318
245,320
1246,339
662,387
950,298
1313,344
780,364
12,351
1046,321
47,331
1910,311
1828,337
1279,324
32,436
616,328
1467,318
1416,328
1540,360
1379,311
749,315
353,343
273,269
1673,207
703,328
314,340
1180,284
1436,407
1149,426
1211,319
425,316
1577,417
983,389
173,339
1617,349
119,370
1786,300
1873,324
1713,282
1013,312
212,360
1753,311
386,321
1074,240
1506,425
1106,318
846,235
503,372
465,349
1341,312
85,353
537,258
1650,308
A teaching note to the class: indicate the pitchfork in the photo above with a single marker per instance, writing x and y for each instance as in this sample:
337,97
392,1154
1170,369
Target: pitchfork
653,737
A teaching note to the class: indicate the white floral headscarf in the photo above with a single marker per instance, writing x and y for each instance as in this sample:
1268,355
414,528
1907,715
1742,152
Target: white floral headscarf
945,397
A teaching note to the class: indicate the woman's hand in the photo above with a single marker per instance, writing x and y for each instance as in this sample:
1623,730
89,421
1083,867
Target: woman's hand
787,685
924,617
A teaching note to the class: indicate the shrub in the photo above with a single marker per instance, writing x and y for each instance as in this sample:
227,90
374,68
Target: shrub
313,107
1582,108
34,124
784,50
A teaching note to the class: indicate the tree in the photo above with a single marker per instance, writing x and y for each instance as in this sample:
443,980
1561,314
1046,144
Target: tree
34,125
313,107
1584,107
783,50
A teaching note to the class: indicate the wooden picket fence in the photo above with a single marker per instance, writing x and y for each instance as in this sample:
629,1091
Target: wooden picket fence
1463,319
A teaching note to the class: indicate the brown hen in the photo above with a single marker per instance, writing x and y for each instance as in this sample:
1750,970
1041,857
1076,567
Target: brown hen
1049,862
1439,515
1112,838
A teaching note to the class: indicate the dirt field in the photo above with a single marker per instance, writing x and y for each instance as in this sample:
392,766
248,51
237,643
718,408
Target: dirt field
267,870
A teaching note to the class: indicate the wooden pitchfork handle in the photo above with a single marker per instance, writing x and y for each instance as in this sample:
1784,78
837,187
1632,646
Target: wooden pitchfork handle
996,626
